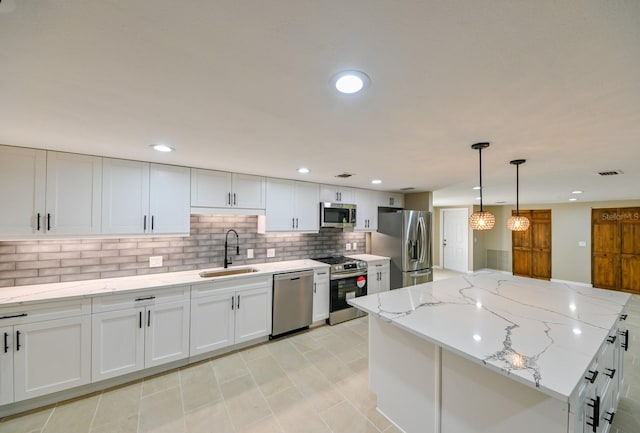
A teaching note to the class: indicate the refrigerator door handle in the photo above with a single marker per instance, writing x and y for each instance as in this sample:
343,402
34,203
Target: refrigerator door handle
423,238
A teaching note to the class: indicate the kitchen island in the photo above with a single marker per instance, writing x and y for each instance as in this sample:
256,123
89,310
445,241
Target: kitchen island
490,352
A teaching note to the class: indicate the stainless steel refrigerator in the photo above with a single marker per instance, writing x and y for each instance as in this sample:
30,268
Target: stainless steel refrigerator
405,237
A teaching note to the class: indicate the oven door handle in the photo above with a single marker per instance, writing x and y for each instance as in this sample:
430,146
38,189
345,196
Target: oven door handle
350,275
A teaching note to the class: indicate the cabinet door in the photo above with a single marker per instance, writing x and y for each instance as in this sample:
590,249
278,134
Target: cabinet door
336,194
212,323
307,206
22,184
384,283
321,296
253,314
117,343
210,188
166,333
388,199
373,283
53,355
74,193
169,198
248,191
125,196
6,365
367,210
280,205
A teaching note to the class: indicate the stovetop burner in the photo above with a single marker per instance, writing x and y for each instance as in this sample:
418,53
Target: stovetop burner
340,264
333,260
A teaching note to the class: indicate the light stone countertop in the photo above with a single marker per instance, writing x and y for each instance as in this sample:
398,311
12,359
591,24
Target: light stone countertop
368,257
20,295
540,333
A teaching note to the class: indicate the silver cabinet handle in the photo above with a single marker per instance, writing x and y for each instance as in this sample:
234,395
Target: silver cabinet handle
234,199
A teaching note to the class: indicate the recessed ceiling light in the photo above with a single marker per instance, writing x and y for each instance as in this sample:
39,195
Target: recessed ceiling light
376,181
303,170
573,199
576,192
162,148
350,82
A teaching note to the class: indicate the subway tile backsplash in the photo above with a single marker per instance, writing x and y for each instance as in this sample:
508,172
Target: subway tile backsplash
51,261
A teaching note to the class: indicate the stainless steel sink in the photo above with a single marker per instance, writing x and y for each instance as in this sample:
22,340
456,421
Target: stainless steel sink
226,272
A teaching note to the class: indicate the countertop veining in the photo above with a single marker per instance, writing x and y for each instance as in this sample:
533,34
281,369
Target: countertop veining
540,333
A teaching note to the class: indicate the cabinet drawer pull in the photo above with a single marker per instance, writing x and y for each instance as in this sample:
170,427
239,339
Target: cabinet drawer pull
595,419
140,320
610,372
625,344
38,222
611,338
146,298
610,418
17,340
6,342
623,317
594,374
13,316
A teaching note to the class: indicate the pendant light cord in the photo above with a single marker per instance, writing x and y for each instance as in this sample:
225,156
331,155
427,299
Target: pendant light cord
518,190
480,150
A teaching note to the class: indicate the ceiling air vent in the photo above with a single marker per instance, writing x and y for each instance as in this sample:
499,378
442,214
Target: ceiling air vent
344,175
610,172
409,188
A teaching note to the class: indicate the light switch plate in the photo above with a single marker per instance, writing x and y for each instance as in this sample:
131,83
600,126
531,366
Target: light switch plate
155,261
271,252
249,253
582,243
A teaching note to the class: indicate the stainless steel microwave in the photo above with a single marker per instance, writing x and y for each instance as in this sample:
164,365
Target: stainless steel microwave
337,215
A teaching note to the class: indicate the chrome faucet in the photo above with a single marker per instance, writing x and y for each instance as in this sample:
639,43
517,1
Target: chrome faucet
227,259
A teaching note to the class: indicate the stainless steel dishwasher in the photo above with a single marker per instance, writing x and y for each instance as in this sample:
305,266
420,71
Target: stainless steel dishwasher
292,301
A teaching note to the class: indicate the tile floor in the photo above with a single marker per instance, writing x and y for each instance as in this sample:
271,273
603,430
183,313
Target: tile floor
314,381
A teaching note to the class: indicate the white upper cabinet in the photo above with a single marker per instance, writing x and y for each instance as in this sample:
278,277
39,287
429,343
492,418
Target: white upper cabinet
292,206
125,196
367,210
74,190
138,197
169,198
390,199
220,189
22,190
49,192
337,194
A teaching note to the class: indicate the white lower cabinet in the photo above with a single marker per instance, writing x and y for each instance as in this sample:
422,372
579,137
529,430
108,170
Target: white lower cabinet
321,286
377,276
135,337
46,348
229,312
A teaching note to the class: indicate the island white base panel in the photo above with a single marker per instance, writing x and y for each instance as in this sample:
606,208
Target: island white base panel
422,388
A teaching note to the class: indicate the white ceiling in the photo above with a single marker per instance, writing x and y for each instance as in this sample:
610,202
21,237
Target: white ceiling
245,86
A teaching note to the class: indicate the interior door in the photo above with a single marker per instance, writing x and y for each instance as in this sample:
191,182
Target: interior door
455,239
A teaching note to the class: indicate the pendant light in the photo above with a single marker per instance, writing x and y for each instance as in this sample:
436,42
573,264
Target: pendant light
481,220
517,222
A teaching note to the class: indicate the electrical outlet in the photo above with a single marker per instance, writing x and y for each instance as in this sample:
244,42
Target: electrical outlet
354,246
271,252
249,253
155,261
348,246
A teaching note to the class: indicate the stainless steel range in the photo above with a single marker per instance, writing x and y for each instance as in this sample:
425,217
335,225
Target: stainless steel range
348,279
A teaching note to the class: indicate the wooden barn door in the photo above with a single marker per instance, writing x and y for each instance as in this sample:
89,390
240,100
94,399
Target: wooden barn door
531,249
615,255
